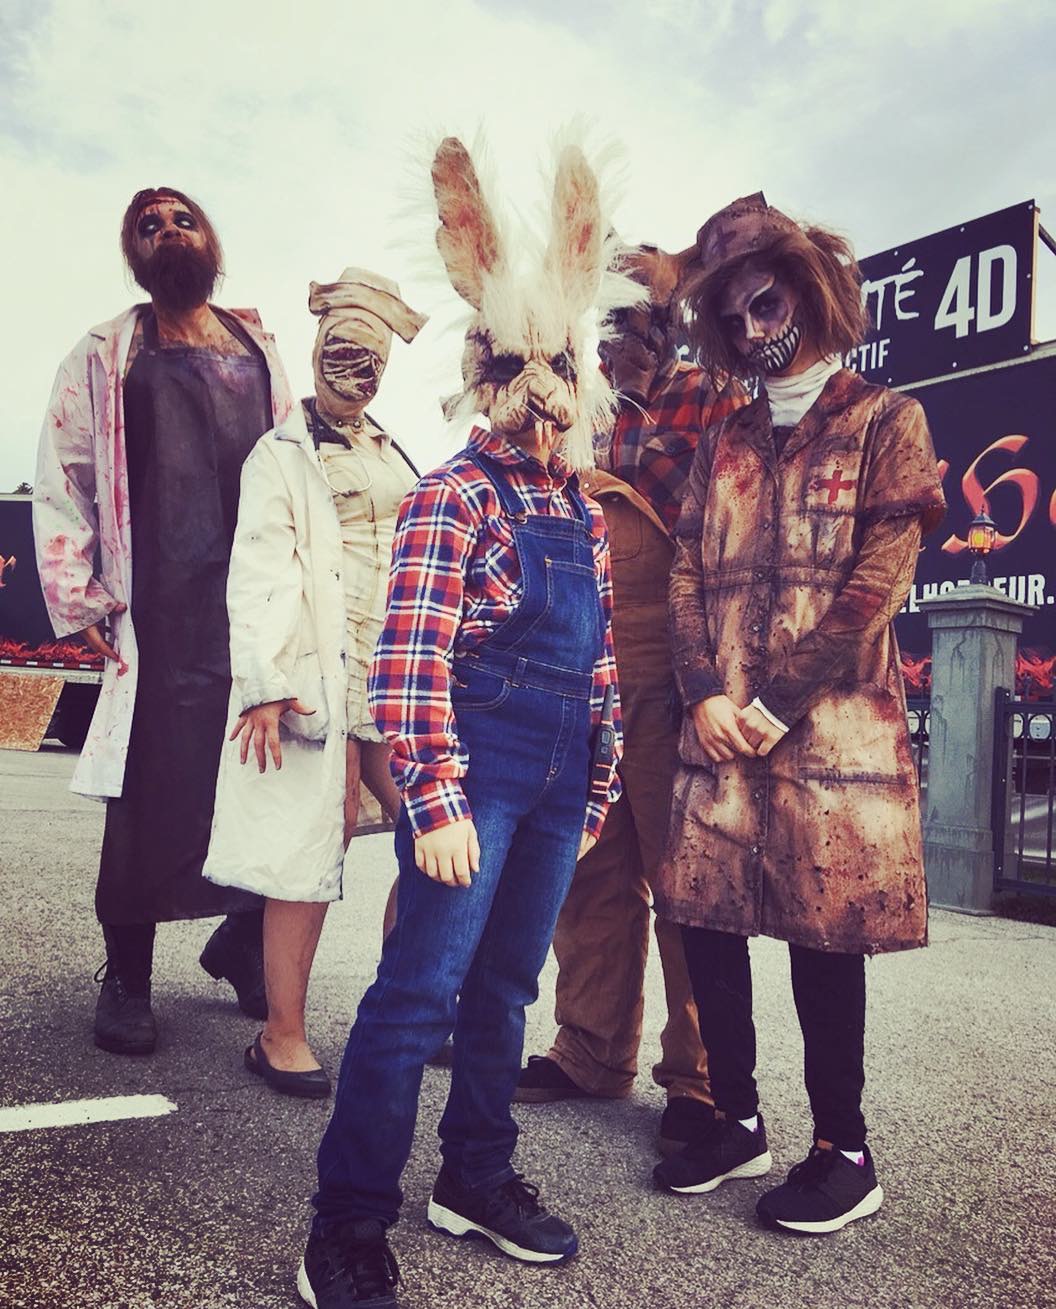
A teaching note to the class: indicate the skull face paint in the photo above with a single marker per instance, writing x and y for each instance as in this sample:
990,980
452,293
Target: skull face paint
758,314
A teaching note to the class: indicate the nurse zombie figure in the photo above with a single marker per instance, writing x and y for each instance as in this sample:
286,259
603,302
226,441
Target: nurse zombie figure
306,768
795,810
150,419
489,680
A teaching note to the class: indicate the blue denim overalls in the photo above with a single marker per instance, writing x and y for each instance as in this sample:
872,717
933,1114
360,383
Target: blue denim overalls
469,958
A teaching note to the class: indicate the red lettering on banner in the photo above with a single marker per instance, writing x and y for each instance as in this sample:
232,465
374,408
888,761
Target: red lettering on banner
975,494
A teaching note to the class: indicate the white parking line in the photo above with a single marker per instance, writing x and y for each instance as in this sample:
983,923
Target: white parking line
76,1113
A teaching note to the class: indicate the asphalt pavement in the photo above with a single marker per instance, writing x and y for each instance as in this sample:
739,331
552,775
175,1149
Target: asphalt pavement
206,1207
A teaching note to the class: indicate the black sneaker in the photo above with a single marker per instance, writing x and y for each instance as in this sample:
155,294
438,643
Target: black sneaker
230,956
352,1266
509,1215
721,1152
683,1121
124,1023
822,1194
542,1081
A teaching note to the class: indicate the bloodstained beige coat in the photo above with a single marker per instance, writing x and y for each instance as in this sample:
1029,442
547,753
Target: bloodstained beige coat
788,572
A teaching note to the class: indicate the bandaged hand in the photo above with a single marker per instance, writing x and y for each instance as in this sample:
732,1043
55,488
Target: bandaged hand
718,728
449,854
758,730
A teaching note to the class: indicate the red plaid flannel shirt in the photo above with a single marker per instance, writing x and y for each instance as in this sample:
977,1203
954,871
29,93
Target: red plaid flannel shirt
455,577
651,449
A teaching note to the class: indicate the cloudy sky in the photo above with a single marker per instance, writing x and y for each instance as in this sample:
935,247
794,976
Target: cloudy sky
298,125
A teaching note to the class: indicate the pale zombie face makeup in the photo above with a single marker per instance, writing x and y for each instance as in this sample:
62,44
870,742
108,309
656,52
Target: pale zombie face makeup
170,257
758,313
166,220
351,356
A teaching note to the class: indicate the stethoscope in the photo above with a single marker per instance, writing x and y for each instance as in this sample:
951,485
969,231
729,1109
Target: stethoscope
344,493
321,425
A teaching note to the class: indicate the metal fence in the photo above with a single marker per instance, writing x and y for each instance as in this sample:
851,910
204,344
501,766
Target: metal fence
918,712
1023,810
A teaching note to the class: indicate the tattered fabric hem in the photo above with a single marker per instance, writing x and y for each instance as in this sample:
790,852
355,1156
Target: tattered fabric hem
321,895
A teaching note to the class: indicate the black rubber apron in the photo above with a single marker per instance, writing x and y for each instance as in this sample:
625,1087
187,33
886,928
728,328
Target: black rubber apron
192,416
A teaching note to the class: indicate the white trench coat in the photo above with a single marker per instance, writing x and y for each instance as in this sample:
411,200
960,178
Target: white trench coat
281,833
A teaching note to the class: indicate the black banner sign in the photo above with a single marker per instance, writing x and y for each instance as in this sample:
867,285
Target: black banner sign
950,301
995,437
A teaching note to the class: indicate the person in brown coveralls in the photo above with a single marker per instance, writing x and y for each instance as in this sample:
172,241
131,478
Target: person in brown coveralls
795,811
602,938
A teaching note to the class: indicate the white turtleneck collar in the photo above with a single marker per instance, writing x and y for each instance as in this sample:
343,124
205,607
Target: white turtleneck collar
791,397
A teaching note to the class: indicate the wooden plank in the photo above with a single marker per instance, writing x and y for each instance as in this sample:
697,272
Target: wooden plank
27,702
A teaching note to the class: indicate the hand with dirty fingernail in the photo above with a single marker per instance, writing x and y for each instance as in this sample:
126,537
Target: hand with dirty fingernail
259,729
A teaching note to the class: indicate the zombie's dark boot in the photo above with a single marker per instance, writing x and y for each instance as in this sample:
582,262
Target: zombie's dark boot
235,953
124,1023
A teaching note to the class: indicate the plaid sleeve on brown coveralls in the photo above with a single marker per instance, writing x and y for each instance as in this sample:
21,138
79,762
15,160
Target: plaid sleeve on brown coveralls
602,938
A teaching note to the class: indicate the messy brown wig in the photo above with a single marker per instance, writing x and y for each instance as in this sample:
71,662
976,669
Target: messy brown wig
152,195
824,272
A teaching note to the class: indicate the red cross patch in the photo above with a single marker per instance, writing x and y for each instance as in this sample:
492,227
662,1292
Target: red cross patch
835,484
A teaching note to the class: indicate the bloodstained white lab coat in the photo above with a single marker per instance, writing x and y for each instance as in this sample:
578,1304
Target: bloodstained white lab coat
80,506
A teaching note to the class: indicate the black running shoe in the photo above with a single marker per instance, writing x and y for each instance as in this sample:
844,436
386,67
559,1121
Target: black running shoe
351,1267
721,1152
822,1194
509,1215
683,1121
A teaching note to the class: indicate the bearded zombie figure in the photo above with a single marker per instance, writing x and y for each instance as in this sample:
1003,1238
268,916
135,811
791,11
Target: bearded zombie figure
488,679
795,810
150,420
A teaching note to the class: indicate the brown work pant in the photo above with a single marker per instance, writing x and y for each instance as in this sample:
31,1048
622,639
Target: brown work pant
602,937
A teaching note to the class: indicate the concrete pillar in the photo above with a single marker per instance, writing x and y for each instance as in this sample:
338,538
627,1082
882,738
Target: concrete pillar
973,653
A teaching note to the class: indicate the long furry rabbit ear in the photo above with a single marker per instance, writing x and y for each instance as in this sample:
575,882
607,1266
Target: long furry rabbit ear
577,239
467,237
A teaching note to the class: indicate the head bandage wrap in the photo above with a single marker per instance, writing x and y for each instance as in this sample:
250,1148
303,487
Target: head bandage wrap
358,292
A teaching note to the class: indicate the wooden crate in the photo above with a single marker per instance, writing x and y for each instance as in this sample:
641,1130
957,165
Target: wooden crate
27,702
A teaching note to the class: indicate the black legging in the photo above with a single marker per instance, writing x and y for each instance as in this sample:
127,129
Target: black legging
829,991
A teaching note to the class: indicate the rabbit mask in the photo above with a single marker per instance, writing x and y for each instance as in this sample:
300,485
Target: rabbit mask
525,363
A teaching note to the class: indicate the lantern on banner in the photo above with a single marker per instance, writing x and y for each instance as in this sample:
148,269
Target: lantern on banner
981,533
